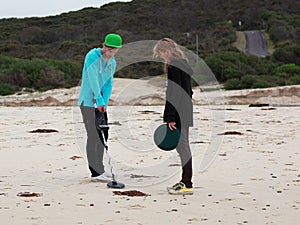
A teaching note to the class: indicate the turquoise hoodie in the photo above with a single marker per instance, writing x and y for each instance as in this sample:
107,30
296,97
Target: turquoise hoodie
97,79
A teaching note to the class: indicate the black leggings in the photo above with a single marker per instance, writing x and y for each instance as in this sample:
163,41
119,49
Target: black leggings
94,145
184,151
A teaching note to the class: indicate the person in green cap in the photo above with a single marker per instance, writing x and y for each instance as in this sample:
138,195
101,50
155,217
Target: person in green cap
95,91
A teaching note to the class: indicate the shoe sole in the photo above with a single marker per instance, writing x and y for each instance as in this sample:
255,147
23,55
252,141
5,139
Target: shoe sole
181,193
101,181
173,192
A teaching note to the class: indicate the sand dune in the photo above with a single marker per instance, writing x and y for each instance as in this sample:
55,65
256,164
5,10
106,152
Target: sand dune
277,95
151,92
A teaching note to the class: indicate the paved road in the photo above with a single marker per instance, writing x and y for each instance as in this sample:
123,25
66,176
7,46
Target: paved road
256,43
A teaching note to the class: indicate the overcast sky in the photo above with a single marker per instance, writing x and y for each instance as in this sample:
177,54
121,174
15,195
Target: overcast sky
41,8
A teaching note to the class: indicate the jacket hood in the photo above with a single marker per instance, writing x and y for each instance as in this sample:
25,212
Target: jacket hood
96,51
183,65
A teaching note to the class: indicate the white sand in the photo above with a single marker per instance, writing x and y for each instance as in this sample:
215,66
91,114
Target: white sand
255,178
252,178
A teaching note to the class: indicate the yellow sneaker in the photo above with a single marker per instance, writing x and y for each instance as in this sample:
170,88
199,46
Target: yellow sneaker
180,189
175,186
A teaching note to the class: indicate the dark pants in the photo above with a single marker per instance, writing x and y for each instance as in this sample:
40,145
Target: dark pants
184,151
94,145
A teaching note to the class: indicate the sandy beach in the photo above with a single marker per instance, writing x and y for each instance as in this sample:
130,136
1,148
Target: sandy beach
246,161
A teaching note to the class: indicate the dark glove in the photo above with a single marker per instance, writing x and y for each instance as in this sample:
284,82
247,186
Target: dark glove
101,120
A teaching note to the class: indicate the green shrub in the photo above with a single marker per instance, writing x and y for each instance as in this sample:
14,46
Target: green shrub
39,74
287,71
248,81
289,54
262,84
29,90
7,89
228,65
294,80
282,26
232,84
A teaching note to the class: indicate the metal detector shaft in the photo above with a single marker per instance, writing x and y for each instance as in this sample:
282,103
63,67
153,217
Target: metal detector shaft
101,124
109,158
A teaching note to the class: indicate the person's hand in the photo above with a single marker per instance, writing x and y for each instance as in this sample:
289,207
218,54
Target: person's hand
101,108
172,125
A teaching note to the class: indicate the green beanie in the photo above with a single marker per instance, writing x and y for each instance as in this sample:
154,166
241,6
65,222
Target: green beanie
113,40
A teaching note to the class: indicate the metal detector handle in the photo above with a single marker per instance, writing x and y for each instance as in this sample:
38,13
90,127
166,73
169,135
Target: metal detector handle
101,120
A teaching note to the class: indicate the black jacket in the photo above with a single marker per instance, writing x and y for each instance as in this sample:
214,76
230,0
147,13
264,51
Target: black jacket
179,106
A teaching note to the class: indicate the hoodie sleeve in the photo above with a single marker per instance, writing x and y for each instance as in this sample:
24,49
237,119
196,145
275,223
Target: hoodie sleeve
91,67
107,88
174,92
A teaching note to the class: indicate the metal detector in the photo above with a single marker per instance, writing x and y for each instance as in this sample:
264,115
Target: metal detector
101,124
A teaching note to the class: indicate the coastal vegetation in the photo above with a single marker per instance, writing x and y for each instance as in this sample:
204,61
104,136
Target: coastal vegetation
48,52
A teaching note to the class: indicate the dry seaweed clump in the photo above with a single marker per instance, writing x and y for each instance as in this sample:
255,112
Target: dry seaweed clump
43,131
131,193
29,194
